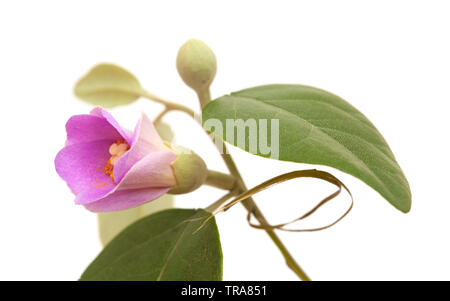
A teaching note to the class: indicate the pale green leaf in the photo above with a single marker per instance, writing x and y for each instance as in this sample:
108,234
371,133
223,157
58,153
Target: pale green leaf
108,85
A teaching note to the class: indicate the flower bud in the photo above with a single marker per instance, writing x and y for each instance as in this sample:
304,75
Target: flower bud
196,64
189,169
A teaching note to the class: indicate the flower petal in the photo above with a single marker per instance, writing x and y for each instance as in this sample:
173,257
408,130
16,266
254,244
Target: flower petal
146,130
145,140
143,173
86,128
125,199
154,170
91,195
82,165
100,112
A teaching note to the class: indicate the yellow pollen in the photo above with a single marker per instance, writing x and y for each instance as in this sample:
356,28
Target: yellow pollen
102,185
116,150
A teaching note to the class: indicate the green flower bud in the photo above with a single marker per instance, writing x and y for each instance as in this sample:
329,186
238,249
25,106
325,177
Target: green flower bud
196,64
189,169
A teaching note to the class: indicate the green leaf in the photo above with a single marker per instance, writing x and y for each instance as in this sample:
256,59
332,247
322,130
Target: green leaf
162,246
112,223
316,127
108,85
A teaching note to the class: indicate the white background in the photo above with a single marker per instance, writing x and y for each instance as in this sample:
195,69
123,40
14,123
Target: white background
390,59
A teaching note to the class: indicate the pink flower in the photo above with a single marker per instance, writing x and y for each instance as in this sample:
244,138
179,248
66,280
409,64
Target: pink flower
109,168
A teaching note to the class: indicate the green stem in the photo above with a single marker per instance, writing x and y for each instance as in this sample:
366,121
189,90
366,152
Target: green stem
158,118
251,206
211,208
170,106
204,97
220,180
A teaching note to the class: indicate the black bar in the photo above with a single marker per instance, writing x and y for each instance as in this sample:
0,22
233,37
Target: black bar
227,289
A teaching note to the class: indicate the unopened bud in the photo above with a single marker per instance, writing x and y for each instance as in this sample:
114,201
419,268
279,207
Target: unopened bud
196,64
190,171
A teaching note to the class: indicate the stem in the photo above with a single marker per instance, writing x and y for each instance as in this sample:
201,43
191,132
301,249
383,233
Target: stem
250,205
211,208
168,104
160,116
204,97
220,180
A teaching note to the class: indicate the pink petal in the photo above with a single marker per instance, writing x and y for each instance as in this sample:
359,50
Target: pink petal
146,130
125,199
143,173
86,128
145,140
91,195
82,165
100,112
154,170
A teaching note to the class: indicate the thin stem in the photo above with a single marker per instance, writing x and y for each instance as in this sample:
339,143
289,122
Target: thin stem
211,208
204,97
168,104
251,206
160,116
220,180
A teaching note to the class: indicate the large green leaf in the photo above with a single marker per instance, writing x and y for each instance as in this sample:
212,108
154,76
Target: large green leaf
162,246
108,86
316,127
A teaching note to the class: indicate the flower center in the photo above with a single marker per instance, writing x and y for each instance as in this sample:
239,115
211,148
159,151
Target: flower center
116,150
